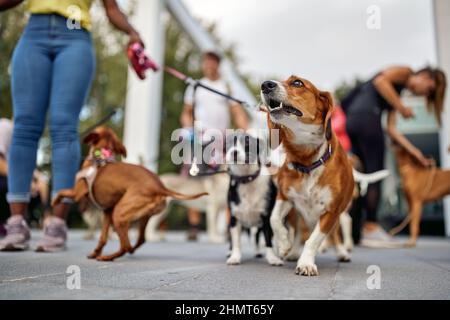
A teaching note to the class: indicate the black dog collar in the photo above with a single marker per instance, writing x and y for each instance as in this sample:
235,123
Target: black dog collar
244,179
307,169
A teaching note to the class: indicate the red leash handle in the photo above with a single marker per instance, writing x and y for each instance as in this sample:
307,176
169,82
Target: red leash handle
139,60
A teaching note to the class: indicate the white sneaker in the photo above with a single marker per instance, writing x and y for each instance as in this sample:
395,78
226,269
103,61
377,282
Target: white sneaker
17,236
379,238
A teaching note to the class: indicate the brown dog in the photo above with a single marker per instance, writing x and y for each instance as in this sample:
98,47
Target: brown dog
125,192
420,186
316,177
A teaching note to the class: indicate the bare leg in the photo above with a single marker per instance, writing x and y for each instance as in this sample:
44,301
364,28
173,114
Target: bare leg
61,210
18,208
194,219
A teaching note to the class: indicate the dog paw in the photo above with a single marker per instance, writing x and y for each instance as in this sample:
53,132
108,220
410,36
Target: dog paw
216,239
306,269
104,258
292,257
154,237
283,248
344,257
234,260
348,245
89,236
92,255
274,261
342,254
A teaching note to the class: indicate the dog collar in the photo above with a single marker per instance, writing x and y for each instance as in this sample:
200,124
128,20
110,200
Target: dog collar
244,179
102,157
307,169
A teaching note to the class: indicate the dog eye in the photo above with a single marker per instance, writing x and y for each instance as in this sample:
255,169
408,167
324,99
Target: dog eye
297,83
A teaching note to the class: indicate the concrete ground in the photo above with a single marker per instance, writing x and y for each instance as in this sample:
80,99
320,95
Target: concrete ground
176,269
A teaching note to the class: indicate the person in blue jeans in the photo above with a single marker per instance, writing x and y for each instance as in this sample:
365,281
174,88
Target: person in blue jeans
52,70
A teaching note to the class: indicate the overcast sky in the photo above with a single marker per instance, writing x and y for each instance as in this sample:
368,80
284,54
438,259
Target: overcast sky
325,41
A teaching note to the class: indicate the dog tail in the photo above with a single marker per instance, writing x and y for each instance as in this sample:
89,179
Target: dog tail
401,226
180,196
364,179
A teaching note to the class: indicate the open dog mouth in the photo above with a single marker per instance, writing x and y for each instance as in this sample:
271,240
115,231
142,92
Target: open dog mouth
278,106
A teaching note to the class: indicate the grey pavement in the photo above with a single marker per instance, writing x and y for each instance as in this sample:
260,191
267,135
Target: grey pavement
175,269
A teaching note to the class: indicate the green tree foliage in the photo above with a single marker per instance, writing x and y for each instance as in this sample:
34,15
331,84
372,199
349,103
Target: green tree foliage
11,26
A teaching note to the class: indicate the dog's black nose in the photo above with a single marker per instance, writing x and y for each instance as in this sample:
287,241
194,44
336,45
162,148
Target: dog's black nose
268,86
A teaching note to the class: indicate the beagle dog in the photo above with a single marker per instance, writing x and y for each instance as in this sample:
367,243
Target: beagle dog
316,177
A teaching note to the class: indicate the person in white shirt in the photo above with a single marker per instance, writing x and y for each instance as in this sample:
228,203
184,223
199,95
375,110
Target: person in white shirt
212,111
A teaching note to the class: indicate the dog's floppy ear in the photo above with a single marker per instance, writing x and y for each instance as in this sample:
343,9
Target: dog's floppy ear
119,148
328,104
91,138
273,126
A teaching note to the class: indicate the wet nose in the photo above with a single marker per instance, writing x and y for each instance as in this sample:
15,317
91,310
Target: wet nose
268,86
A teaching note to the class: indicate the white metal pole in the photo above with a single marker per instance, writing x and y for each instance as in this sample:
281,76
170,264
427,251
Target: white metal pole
143,101
442,31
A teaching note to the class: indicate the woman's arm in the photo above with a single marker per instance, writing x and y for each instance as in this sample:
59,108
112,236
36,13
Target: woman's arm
384,83
239,116
401,139
8,4
120,21
186,117
3,166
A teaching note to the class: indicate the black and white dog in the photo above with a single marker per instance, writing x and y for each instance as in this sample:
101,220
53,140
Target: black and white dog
251,195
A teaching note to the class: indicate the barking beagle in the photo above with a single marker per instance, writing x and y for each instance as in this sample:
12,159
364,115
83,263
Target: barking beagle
316,177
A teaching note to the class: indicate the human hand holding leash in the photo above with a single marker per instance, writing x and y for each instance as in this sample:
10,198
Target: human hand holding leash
135,37
407,113
423,160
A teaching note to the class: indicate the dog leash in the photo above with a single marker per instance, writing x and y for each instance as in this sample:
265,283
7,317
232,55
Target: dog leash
197,83
187,80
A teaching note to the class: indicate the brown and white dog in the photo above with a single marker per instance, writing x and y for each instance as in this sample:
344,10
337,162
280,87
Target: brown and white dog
316,177
126,192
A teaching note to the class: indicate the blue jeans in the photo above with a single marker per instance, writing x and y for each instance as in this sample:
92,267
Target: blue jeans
52,71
